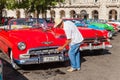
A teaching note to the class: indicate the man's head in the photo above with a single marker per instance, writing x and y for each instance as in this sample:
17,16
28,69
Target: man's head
58,22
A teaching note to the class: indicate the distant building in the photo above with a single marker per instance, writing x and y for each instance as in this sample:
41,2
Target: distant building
92,9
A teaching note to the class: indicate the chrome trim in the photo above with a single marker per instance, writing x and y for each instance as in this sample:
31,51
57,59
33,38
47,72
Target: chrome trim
47,42
21,44
37,58
90,47
40,48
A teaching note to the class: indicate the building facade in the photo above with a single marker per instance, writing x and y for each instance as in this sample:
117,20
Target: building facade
87,9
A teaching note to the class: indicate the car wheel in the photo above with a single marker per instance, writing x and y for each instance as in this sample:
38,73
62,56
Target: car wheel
110,34
12,60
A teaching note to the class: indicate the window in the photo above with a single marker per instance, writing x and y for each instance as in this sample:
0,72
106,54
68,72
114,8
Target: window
72,14
85,1
52,13
4,13
114,0
113,14
95,14
74,1
95,0
62,13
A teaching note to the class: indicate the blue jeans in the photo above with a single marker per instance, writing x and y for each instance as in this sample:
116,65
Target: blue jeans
74,55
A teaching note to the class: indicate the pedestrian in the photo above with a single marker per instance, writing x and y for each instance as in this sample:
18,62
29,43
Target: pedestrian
74,40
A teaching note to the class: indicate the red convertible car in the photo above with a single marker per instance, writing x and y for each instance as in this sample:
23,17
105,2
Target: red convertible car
27,41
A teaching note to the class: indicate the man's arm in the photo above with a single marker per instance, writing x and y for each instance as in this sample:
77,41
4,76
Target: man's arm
68,41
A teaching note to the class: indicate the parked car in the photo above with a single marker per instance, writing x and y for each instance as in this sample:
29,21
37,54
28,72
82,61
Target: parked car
116,25
84,23
93,39
28,41
105,26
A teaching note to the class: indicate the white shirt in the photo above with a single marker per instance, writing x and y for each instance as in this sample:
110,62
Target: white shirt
72,32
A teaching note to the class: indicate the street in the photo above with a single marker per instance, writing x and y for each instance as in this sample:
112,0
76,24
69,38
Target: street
94,66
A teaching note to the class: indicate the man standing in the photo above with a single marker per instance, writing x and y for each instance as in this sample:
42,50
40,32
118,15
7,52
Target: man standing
74,39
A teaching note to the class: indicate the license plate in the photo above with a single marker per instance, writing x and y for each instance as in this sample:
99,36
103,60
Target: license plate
97,47
50,59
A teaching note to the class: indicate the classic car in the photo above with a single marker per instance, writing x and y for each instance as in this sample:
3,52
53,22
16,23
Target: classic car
29,41
116,25
104,26
26,41
93,39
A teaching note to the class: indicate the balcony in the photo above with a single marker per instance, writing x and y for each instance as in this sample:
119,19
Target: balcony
84,5
113,4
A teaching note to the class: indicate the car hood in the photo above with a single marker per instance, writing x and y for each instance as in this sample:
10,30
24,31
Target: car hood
35,37
90,33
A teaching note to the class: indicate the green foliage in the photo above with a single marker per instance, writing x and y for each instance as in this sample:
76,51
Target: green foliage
30,5
2,4
10,4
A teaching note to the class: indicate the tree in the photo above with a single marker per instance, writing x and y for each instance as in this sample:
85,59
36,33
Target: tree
2,6
40,6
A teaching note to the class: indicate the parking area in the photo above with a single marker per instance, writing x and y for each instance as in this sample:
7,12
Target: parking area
95,66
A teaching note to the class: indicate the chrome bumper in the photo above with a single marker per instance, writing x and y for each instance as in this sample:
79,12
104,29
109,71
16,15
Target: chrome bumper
43,59
42,55
92,47
118,28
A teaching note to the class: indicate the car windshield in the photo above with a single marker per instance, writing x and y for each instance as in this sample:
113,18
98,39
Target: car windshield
27,23
77,22
73,20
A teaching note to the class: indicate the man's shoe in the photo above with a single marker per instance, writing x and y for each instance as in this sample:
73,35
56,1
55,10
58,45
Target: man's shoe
78,69
71,70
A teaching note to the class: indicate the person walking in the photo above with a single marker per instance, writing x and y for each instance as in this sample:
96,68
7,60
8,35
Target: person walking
74,40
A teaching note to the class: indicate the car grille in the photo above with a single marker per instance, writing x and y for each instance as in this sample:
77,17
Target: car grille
43,50
95,40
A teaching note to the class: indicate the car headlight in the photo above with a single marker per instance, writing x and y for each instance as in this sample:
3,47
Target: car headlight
21,45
